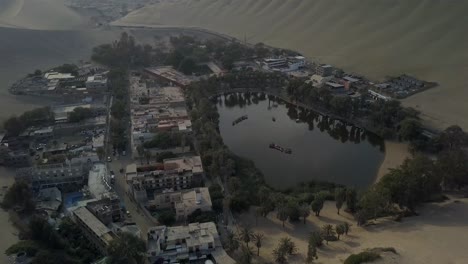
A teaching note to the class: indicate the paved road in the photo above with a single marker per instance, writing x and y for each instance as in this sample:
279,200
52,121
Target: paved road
121,188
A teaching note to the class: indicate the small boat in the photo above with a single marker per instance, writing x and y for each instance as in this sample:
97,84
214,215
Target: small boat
240,119
274,119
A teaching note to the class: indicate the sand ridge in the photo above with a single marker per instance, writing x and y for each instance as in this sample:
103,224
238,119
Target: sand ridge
373,37
40,15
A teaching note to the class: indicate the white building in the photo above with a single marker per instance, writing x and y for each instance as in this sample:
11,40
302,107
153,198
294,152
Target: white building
58,76
97,81
284,64
296,62
172,244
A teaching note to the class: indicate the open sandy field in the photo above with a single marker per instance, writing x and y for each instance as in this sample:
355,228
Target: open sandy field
434,237
39,14
425,38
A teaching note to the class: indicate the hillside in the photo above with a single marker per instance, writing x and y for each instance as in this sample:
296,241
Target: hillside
39,14
425,38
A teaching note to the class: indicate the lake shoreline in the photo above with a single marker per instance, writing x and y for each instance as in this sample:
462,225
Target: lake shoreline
395,154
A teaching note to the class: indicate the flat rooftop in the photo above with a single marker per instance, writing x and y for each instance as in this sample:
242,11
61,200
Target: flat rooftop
171,74
96,226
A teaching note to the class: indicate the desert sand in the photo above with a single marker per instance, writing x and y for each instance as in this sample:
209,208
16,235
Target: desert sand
377,38
39,14
436,236
395,154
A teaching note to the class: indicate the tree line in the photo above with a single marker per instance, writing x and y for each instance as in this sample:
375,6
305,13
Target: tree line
43,116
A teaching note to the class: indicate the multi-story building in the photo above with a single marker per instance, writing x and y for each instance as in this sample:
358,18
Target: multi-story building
173,244
284,64
16,159
183,202
176,174
324,70
54,175
107,209
95,231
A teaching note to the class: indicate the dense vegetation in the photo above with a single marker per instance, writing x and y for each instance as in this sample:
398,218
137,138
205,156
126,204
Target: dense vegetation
37,117
386,118
120,56
419,179
48,245
126,249
79,114
166,140
19,195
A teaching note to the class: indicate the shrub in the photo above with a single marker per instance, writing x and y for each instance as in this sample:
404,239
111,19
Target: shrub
362,257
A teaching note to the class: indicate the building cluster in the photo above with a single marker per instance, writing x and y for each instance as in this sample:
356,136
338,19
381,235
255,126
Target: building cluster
326,76
172,184
283,64
88,82
57,142
158,107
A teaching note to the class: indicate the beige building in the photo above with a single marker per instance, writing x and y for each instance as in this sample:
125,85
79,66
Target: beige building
96,232
183,202
173,244
175,174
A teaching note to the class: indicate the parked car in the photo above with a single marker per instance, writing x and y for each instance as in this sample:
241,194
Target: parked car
109,159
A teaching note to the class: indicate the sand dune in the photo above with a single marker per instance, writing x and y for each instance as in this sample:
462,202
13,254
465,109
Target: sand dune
425,38
39,14
431,238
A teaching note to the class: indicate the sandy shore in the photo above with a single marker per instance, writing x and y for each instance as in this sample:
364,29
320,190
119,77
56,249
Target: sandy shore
395,154
433,237
43,15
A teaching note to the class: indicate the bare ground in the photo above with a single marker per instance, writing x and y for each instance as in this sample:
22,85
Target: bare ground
436,236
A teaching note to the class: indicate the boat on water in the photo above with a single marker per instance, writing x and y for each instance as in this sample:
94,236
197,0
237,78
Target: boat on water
240,119
274,119
277,147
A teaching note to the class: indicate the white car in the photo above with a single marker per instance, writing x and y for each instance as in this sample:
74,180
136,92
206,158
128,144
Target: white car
109,159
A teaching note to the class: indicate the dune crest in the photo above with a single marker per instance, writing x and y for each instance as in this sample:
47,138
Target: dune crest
40,15
425,38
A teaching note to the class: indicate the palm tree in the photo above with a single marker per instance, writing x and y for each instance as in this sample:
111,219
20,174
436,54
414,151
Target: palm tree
346,227
258,239
339,230
233,242
246,235
246,254
279,255
288,245
282,214
304,211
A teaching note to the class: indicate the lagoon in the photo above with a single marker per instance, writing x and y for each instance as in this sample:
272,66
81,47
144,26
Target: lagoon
323,149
